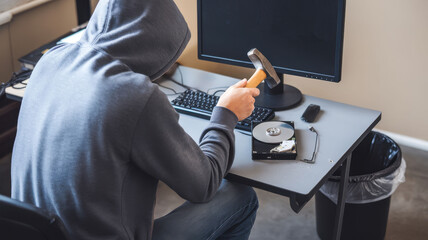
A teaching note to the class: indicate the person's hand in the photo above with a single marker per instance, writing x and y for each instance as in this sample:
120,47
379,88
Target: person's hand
239,100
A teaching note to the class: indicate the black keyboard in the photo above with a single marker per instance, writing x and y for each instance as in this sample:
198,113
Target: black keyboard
201,104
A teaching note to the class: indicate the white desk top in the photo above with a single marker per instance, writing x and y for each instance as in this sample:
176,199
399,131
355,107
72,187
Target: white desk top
16,93
340,126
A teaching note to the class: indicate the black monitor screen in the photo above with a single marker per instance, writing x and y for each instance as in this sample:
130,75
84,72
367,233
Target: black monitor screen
300,37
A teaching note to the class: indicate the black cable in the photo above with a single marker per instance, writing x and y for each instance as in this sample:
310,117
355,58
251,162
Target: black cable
171,89
181,74
312,160
181,84
222,90
16,79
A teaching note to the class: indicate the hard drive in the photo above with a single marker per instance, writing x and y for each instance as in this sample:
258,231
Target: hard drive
273,140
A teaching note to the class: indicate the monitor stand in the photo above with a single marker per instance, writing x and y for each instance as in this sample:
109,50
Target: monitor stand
281,97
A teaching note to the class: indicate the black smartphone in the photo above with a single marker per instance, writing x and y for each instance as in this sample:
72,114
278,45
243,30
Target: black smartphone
311,113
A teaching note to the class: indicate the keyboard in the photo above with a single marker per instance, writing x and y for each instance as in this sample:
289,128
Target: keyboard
200,104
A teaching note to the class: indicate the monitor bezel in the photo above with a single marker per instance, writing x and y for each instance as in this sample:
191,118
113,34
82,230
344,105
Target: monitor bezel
338,52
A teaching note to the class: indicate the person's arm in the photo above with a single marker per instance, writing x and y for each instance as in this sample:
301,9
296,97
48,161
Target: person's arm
164,150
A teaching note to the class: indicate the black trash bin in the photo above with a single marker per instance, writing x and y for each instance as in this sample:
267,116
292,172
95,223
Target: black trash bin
376,170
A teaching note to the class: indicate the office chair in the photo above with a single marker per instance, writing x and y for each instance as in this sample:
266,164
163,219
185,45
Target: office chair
22,221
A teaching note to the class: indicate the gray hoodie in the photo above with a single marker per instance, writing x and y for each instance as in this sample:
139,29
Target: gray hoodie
95,135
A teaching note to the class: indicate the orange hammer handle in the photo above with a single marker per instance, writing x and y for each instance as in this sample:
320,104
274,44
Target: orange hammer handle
256,79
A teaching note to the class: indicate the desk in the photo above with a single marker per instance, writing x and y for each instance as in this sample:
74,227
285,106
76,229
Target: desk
16,93
341,128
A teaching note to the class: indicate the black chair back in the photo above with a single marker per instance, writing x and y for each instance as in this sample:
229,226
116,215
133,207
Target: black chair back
23,221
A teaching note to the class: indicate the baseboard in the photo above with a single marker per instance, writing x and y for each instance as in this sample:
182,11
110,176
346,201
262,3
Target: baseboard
406,140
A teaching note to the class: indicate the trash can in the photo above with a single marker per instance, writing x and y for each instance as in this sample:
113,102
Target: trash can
376,170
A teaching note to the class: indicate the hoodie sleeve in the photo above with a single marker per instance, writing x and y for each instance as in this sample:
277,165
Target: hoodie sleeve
164,150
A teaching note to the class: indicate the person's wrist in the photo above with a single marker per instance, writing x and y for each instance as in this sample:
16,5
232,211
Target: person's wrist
225,116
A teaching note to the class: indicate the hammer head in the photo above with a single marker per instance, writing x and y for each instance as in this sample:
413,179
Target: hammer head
260,62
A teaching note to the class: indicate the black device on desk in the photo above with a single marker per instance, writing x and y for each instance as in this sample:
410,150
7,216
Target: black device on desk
310,113
30,60
273,140
201,104
302,38
83,12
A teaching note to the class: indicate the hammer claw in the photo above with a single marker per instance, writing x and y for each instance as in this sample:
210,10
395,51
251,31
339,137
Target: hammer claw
262,65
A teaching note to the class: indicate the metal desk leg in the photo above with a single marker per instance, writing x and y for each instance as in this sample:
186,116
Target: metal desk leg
340,208
297,202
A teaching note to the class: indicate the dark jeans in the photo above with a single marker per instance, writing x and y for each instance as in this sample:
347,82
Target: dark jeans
229,215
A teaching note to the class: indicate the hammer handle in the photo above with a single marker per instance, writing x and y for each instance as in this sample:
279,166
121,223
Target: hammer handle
256,79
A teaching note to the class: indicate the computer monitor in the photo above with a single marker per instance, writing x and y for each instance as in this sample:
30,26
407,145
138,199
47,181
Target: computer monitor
298,37
83,8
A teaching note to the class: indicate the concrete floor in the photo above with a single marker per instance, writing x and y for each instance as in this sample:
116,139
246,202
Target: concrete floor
408,215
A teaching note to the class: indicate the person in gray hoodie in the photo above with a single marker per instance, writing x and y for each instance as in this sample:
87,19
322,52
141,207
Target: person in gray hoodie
95,135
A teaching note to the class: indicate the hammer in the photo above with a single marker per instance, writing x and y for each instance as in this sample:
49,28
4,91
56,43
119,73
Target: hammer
264,70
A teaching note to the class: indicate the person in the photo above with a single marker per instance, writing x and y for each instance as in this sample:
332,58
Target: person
96,135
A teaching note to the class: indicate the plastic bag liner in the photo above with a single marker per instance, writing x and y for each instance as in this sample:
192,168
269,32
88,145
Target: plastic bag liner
376,170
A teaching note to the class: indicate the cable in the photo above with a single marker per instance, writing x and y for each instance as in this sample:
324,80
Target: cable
171,89
16,79
221,90
181,74
312,160
181,84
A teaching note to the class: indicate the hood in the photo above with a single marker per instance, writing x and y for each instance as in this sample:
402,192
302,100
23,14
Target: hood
146,35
